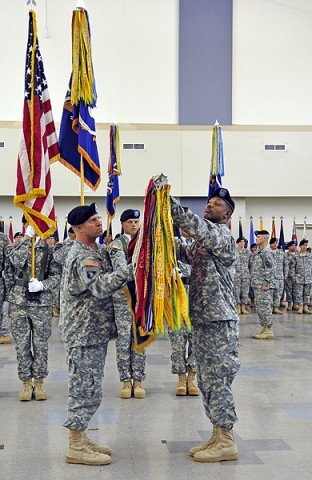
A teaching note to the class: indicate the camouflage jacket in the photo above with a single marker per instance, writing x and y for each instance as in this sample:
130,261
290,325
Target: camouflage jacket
291,258
262,267
18,272
118,254
61,251
282,268
86,304
301,269
242,265
212,255
4,241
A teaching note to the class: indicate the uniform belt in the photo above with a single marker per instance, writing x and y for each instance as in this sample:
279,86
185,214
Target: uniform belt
20,282
185,280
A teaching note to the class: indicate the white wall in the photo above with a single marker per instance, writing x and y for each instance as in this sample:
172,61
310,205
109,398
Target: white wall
272,71
135,57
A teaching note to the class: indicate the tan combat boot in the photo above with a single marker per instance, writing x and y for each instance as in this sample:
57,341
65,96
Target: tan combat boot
295,307
138,390
79,452
306,310
126,390
192,388
277,311
39,391
289,306
300,309
96,447
205,445
238,309
27,392
244,310
181,388
265,334
5,339
224,448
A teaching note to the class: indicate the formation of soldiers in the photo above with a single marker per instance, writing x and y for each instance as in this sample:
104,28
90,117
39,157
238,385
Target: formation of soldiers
270,279
86,284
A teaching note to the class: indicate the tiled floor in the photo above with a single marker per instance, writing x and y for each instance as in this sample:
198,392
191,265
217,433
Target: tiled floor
150,437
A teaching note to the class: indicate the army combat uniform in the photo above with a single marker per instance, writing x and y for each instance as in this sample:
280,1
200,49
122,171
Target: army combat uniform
4,328
281,274
289,282
263,273
242,278
130,364
301,274
87,324
31,319
215,323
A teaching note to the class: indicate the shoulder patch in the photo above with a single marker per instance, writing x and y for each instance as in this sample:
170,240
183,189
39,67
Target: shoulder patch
115,246
90,263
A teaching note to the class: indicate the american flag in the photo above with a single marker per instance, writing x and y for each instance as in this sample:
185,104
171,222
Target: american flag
38,145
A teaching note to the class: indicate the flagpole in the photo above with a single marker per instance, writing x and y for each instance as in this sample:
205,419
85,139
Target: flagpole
81,181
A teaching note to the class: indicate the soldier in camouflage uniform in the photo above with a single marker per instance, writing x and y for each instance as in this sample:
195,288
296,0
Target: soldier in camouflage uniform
281,273
289,282
242,278
4,330
301,274
61,251
130,364
87,324
212,255
262,280
183,361
31,305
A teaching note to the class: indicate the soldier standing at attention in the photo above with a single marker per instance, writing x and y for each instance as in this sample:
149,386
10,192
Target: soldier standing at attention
87,324
4,330
289,283
281,273
301,273
262,280
213,255
31,309
242,278
130,364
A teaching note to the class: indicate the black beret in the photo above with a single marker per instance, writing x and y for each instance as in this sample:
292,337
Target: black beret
70,230
18,234
261,232
273,240
303,241
79,215
240,239
129,214
253,245
224,194
292,242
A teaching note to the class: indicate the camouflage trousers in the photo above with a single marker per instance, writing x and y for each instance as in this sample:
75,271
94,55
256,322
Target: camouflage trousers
86,370
241,290
264,306
290,290
31,329
130,364
302,293
182,350
216,353
278,292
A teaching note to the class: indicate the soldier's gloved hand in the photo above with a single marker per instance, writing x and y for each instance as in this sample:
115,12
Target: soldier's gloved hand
160,181
30,231
35,285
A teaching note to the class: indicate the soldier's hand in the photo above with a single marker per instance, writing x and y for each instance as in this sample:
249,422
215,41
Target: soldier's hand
35,285
160,181
30,231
